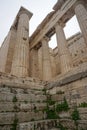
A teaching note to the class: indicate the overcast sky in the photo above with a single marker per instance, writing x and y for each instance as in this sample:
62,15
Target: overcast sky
39,8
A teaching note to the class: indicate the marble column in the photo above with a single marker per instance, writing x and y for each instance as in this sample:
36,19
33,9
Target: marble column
34,63
64,54
53,64
47,71
40,63
20,64
12,42
81,14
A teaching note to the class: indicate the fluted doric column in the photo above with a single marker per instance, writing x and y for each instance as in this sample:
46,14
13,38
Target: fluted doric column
81,14
40,63
47,72
34,63
64,54
20,64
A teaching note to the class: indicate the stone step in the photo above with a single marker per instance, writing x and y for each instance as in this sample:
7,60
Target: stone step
9,117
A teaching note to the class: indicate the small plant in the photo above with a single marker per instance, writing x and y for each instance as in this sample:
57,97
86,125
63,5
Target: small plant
50,101
44,90
51,114
62,106
25,102
82,129
84,104
75,115
66,107
60,92
61,127
32,119
14,125
15,108
38,101
35,109
14,99
34,127
44,101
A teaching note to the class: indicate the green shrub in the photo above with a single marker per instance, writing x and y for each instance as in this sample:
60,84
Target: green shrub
35,109
62,106
25,102
60,92
14,125
44,90
75,115
50,102
16,108
84,104
61,127
38,101
32,119
51,114
14,99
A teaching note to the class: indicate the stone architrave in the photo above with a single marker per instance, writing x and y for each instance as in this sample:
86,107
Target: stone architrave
81,14
47,71
64,54
20,64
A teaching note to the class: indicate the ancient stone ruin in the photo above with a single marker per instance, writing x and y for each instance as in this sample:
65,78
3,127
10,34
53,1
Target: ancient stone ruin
43,88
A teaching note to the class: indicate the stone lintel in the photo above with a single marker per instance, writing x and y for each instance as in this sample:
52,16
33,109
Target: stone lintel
41,25
37,46
59,4
51,32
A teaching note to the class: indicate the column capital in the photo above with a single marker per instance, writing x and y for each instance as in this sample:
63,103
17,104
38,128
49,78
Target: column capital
25,11
45,38
60,23
78,2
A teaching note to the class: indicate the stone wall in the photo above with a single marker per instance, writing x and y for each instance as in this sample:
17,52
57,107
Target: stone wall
72,86
20,104
26,103
77,48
